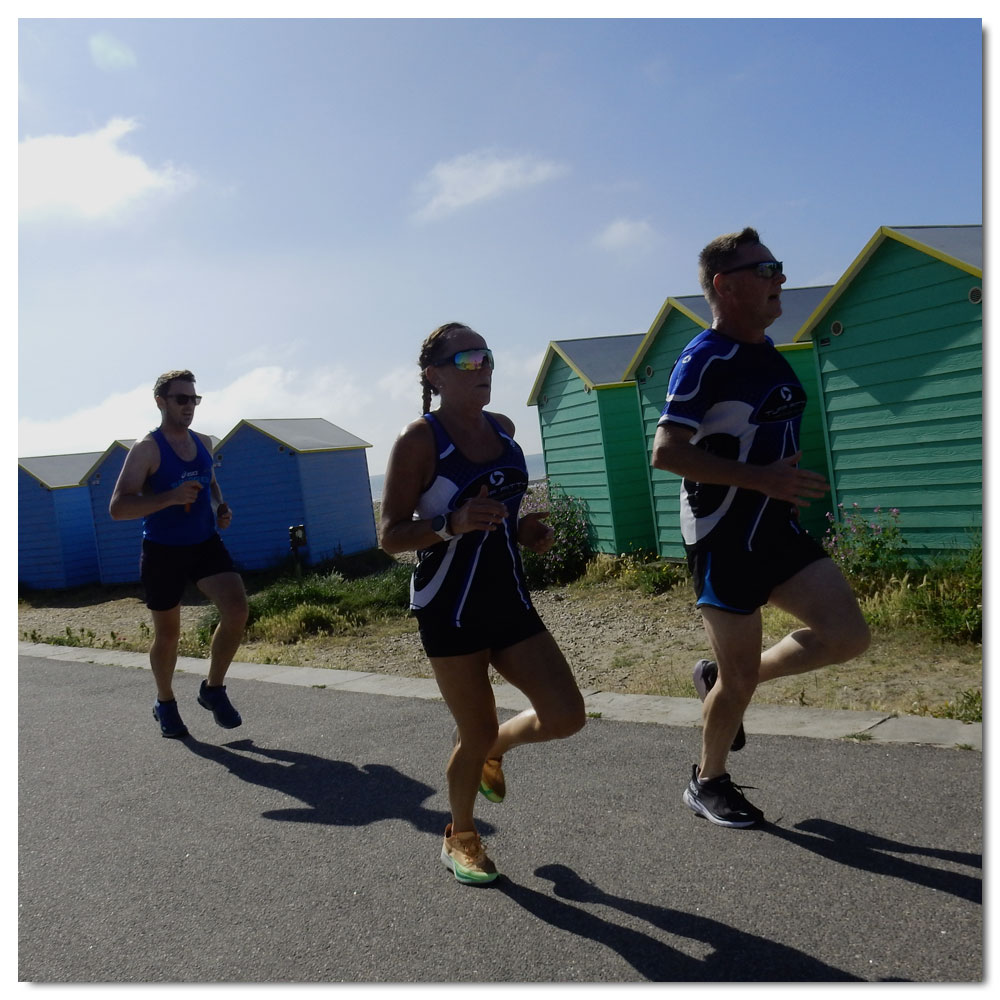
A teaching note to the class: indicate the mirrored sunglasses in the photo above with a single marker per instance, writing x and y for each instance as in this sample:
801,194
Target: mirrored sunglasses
763,269
469,361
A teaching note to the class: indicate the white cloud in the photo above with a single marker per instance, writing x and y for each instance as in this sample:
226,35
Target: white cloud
625,234
87,176
108,53
480,176
375,410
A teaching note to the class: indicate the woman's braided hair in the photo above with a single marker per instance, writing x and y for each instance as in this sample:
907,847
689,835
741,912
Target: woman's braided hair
428,353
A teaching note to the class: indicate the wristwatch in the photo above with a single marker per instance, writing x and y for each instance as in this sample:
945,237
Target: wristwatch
439,525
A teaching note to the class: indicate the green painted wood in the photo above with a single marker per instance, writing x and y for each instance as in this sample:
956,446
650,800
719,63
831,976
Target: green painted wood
902,390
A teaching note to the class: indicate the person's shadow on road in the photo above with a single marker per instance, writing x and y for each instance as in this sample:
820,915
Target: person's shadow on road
335,792
872,853
735,956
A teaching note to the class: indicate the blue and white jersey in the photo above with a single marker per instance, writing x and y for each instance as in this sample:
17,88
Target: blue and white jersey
744,402
476,575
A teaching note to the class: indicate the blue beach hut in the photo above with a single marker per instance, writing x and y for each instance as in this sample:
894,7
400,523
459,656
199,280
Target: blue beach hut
276,474
56,546
119,543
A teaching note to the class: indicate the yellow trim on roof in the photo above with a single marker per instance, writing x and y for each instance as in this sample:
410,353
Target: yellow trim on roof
909,241
654,329
881,235
554,349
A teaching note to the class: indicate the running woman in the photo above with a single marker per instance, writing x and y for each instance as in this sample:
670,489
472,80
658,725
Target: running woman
453,486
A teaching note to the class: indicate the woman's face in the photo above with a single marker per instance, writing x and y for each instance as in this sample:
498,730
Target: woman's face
453,383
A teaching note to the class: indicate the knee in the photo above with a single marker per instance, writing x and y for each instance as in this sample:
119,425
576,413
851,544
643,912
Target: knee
853,643
564,722
167,633
234,613
478,741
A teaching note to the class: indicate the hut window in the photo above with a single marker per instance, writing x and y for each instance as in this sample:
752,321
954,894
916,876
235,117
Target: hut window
975,295
836,328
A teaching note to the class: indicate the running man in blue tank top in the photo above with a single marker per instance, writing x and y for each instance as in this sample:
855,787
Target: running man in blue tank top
168,480
453,489
730,427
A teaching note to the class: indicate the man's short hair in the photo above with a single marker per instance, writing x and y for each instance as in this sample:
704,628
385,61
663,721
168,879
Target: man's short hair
720,254
162,386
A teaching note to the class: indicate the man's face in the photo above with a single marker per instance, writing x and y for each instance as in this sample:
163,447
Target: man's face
745,292
180,413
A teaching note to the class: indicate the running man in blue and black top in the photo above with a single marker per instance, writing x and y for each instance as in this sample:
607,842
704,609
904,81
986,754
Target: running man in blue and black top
730,429
169,482
453,490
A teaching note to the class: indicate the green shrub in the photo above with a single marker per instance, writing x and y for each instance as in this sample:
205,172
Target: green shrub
568,557
869,549
320,602
967,707
945,598
642,571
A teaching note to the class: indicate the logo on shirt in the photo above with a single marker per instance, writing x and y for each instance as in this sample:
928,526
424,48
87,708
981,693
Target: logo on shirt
783,402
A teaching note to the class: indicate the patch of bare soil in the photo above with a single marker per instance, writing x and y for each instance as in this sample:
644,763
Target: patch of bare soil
615,640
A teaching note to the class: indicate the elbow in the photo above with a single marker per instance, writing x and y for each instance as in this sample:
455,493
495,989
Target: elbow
661,459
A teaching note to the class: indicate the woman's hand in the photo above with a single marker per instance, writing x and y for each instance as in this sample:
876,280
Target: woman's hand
533,533
478,514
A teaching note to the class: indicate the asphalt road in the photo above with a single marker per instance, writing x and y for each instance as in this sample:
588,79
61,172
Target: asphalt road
303,848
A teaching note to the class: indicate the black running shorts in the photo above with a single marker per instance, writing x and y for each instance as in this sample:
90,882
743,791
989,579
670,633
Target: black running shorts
165,570
734,579
440,637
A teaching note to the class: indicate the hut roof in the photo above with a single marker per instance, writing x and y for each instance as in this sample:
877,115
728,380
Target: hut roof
60,471
303,434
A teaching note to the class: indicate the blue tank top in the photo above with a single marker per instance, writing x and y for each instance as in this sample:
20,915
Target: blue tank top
477,575
174,525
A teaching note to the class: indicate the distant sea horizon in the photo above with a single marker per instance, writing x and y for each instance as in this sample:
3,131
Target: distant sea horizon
535,463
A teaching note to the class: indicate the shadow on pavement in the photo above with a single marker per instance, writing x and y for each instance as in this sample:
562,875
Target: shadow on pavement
872,853
335,792
735,957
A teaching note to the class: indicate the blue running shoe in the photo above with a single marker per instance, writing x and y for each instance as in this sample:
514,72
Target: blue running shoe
217,702
171,724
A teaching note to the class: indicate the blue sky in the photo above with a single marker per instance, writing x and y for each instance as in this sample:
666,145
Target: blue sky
288,207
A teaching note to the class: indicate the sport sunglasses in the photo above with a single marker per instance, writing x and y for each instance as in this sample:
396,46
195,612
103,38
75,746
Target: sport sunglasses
763,269
183,398
469,361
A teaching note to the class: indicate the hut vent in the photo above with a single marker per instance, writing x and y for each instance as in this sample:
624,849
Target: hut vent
545,398
836,328
975,295
587,389
649,371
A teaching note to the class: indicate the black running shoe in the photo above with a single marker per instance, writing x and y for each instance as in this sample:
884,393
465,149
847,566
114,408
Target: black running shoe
720,801
706,673
217,702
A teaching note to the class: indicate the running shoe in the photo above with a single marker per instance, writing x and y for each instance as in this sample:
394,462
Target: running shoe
217,702
720,801
169,718
491,781
465,855
706,673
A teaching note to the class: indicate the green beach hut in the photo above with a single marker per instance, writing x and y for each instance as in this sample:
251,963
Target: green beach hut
898,347
592,437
